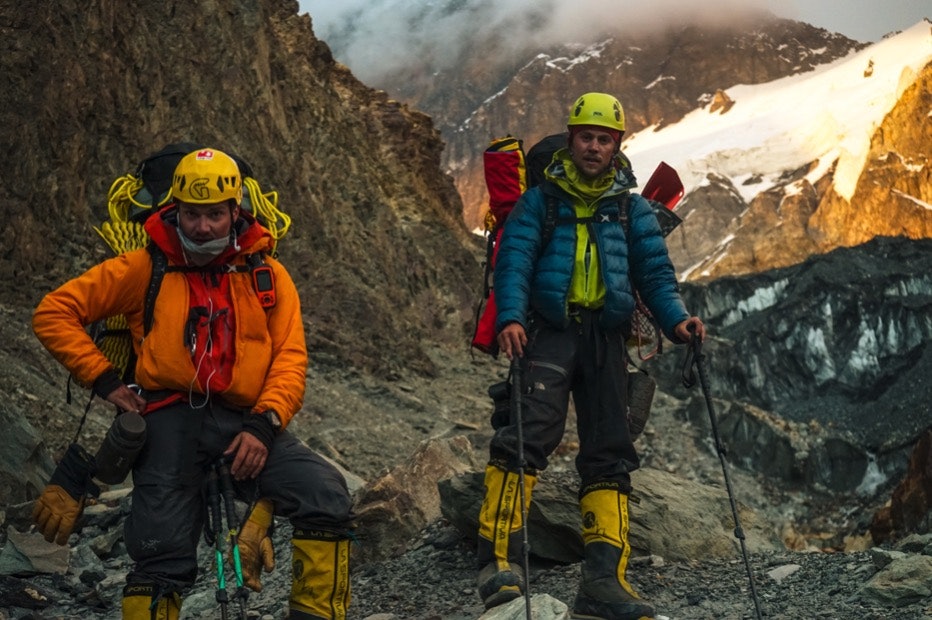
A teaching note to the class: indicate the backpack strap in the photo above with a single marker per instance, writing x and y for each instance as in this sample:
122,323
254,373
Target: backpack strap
159,268
208,269
253,261
489,255
624,207
552,220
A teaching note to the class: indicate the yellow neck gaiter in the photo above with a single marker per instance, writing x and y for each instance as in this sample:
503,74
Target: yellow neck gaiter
586,287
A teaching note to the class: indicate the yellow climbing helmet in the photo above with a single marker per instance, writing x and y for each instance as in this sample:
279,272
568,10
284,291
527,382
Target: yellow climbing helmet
207,176
598,109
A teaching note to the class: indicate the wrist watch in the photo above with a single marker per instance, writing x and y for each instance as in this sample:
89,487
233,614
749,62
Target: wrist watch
272,416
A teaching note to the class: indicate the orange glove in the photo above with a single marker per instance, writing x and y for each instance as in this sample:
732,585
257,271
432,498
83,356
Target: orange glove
255,546
59,507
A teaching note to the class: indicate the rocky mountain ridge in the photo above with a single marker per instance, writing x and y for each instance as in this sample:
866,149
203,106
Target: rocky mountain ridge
799,217
89,91
661,73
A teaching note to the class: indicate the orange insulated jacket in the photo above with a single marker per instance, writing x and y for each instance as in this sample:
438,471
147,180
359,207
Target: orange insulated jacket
266,358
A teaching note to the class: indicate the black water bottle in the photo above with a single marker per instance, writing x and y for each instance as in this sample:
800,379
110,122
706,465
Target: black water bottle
120,447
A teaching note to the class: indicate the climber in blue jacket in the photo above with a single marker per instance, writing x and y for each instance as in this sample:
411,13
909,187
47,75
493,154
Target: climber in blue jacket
564,285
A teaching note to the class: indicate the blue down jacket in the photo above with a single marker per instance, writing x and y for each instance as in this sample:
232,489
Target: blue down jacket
529,277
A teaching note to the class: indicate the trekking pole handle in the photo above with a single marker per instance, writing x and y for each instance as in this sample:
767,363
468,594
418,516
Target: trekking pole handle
222,469
692,357
695,342
215,515
517,401
226,492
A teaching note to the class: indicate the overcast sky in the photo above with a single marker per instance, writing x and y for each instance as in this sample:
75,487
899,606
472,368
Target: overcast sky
864,20
387,34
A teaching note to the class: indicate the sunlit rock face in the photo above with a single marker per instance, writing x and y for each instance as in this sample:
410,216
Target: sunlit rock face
893,194
892,197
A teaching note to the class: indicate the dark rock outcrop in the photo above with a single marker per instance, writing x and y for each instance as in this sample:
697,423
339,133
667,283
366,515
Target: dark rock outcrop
836,347
910,507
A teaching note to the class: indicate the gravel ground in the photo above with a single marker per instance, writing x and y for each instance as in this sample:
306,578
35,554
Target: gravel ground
369,426
436,581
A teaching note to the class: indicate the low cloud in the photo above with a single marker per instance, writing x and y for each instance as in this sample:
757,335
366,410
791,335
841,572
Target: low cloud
377,38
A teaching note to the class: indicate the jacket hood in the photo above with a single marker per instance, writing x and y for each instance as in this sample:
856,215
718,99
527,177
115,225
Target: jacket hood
562,172
162,227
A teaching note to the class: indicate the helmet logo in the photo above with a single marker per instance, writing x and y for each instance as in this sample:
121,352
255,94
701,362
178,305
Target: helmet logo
600,109
199,188
205,154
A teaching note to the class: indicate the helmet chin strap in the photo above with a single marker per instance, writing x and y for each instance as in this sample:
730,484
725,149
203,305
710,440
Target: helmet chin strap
234,217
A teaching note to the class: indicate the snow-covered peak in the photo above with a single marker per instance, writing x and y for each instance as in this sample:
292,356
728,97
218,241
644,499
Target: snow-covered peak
824,115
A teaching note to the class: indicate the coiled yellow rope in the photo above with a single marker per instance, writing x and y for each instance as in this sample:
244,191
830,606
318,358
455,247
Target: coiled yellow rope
123,236
265,208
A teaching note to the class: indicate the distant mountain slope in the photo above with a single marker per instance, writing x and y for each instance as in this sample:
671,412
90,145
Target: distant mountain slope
804,164
839,125
660,75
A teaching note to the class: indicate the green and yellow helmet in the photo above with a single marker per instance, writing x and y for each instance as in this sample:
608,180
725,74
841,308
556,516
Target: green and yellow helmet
599,109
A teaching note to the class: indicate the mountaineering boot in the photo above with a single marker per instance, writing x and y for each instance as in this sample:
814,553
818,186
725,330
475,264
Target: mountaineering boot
138,603
320,588
502,577
604,593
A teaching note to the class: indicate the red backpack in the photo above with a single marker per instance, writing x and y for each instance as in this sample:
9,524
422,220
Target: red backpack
505,177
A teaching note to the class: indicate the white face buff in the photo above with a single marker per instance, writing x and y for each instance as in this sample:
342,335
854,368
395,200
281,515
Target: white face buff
202,253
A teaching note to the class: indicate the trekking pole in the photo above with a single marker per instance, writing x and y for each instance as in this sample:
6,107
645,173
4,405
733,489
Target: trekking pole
212,533
517,396
695,356
226,491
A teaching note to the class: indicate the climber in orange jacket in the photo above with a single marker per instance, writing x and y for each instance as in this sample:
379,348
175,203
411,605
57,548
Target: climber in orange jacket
220,374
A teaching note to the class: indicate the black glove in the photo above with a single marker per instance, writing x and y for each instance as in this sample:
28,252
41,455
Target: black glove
62,502
260,426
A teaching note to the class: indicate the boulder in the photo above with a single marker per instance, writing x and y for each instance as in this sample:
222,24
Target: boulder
910,508
394,508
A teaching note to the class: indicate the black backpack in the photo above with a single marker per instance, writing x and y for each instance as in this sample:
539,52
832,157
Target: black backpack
541,154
